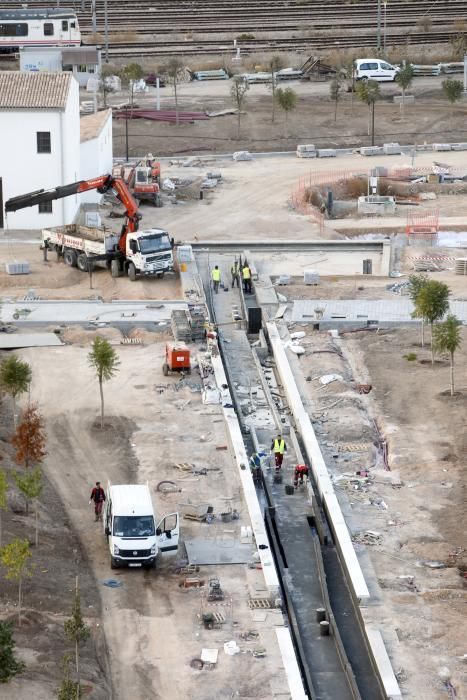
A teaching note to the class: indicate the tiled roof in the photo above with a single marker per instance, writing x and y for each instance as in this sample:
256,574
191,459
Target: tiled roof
34,90
91,125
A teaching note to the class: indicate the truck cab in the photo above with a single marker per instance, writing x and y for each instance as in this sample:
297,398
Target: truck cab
149,252
133,537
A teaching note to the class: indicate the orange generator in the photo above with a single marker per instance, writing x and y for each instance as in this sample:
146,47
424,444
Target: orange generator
177,358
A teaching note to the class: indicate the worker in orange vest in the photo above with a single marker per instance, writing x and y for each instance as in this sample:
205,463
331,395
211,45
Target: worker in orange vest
301,471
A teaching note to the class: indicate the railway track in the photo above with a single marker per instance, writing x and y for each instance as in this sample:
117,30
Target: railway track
296,25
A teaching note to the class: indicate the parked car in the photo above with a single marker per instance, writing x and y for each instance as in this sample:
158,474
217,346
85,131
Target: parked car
375,69
151,79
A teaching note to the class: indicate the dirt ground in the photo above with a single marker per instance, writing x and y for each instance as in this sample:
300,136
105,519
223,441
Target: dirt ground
430,119
417,508
48,594
151,626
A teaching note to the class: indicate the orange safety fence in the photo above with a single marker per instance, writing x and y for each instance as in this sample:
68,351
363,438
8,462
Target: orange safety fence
426,224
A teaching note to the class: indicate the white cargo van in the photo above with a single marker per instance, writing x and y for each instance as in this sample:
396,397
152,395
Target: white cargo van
130,527
374,69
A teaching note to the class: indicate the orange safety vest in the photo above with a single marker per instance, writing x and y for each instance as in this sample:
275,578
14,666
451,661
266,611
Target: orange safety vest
216,275
279,446
246,273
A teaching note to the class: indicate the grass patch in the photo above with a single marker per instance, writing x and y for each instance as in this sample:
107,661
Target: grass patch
410,357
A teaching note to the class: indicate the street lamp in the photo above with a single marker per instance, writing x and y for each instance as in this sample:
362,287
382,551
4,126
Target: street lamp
378,31
384,33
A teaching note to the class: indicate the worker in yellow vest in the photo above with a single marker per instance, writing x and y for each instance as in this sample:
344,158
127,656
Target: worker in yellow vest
246,276
278,446
216,278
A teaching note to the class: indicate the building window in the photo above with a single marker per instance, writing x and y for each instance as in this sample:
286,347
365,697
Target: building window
45,208
43,142
48,29
64,25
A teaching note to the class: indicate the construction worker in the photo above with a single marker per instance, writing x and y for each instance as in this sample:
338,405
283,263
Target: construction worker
246,276
235,272
301,471
216,278
278,446
98,496
256,463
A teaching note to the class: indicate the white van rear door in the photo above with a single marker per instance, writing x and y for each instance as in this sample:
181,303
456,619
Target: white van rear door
168,532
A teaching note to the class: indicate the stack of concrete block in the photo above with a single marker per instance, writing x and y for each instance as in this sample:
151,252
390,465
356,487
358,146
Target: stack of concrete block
408,99
441,146
459,146
371,151
307,150
327,153
392,149
17,268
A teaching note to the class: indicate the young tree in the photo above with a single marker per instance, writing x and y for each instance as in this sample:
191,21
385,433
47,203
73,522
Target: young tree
174,71
335,87
15,558
3,498
453,90
287,100
106,72
30,484
15,377
368,91
130,75
238,92
69,689
76,630
29,438
275,64
104,360
416,282
447,338
9,666
404,79
432,303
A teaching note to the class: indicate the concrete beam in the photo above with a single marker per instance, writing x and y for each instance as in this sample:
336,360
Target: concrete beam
381,658
320,472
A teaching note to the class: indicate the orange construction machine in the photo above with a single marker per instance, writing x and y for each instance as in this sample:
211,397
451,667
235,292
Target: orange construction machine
177,359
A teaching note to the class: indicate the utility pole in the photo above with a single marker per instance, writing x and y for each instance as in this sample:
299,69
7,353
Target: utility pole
378,42
384,33
94,20
106,32
126,133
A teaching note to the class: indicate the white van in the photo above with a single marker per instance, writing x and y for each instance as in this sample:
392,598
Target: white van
129,524
374,69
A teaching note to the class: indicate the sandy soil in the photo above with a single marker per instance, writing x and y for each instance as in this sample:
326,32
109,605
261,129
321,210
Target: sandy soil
431,118
151,626
423,494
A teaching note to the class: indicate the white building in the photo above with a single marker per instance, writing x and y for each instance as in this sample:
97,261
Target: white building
40,144
83,62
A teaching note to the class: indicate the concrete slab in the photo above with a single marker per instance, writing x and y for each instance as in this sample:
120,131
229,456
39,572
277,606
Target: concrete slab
211,552
14,341
381,657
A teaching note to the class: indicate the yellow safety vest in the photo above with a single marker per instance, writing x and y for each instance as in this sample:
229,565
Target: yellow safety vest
279,446
216,275
246,273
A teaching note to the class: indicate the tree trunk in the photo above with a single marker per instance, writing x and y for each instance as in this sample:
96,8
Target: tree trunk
77,668
423,332
14,411
335,110
27,505
403,102
369,120
452,374
37,527
102,402
372,123
238,125
432,348
20,582
176,102
273,86
286,124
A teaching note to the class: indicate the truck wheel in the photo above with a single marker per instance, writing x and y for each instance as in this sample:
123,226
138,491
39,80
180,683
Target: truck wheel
82,262
115,268
131,272
113,563
165,369
69,257
158,201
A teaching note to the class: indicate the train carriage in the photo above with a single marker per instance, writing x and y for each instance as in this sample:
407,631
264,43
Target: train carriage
43,27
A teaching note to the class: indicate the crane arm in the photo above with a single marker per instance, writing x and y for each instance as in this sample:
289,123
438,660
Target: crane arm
102,184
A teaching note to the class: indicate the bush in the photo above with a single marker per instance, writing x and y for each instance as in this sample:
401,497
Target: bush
245,37
410,357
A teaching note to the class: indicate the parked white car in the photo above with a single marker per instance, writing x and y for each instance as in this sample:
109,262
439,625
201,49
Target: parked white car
374,69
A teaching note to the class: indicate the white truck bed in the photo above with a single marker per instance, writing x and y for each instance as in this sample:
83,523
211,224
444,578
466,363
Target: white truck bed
91,240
